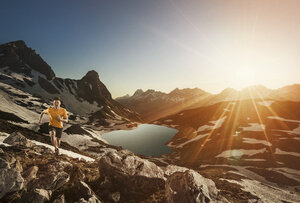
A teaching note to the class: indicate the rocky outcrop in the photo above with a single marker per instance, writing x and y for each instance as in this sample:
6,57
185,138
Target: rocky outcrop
135,176
31,173
131,172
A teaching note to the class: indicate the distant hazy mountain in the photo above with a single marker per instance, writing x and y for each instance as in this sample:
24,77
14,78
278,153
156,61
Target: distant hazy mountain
23,69
290,92
155,104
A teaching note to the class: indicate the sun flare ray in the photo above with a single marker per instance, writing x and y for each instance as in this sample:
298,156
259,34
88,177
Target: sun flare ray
261,123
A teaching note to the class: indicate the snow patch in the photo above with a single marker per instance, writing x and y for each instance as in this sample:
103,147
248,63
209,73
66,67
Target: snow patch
294,131
266,193
198,137
236,133
283,119
8,105
226,109
116,115
255,159
3,135
66,152
79,141
217,124
255,141
266,103
254,127
281,152
237,153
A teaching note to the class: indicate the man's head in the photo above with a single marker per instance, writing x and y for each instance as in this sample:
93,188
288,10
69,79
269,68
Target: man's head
56,102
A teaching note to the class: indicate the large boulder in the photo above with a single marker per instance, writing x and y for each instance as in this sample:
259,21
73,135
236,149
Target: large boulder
131,173
132,176
17,139
190,186
53,181
10,177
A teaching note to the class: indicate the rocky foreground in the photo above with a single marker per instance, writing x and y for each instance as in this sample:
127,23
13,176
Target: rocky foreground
32,173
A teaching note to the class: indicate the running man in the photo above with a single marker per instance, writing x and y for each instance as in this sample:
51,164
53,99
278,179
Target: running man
57,115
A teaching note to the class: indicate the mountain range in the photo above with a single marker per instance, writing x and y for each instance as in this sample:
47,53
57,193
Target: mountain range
153,105
235,146
23,69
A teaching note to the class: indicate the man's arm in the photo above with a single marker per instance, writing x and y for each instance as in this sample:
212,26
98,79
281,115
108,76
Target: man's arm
64,119
42,114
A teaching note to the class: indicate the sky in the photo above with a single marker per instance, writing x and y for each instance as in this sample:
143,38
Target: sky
162,44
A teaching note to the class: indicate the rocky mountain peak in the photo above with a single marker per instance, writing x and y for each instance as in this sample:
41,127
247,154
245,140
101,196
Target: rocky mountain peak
92,74
150,91
18,56
187,91
92,89
229,91
176,90
138,92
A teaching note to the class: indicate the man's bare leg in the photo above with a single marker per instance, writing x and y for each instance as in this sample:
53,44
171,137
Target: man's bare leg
53,140
57,144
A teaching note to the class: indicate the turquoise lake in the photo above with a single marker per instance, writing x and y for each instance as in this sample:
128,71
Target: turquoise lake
146,139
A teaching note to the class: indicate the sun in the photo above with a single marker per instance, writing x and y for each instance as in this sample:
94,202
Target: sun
244,77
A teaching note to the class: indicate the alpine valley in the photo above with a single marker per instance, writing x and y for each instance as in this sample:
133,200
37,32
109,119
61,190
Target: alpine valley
235,146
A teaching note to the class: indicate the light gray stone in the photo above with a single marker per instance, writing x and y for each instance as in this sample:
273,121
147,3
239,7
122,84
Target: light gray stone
190,186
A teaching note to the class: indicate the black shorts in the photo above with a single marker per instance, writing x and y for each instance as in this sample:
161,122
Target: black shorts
58,131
